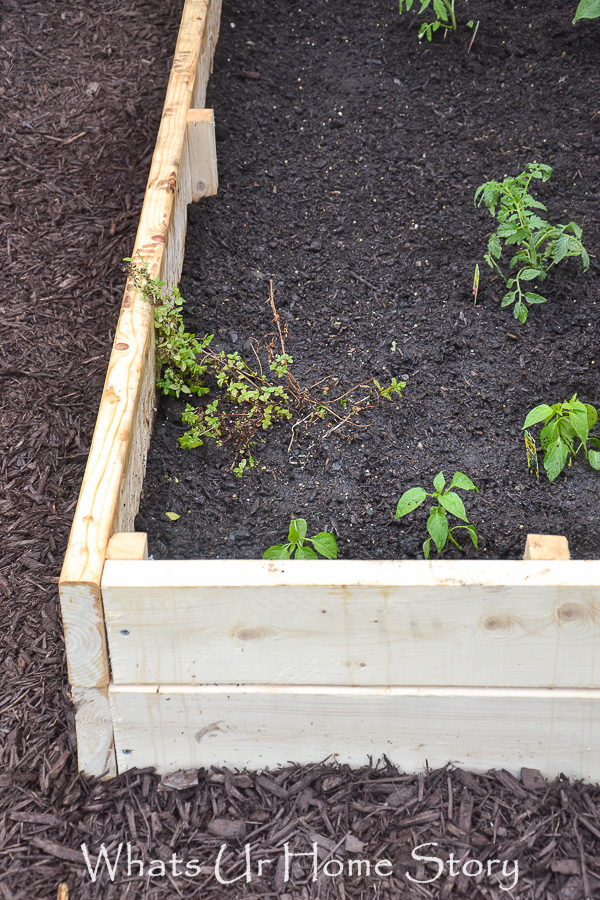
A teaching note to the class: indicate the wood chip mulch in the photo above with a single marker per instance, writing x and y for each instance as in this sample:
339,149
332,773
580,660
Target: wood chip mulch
81,94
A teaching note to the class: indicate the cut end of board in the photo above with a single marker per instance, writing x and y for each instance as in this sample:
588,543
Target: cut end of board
546,546
131,545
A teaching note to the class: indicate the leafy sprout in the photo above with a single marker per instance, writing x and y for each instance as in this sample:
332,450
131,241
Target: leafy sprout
324,543
539,245
446,501
564,425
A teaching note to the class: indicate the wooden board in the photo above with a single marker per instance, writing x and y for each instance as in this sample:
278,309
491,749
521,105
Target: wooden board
109,496
522,624
259,727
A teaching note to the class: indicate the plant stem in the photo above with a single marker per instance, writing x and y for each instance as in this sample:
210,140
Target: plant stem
450,5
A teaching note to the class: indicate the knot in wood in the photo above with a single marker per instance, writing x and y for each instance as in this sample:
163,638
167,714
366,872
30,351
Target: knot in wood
496,624
247,634
569,612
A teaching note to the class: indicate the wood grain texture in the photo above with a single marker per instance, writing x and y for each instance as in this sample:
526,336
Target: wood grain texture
261,726
521,624
132,545
546,546
201,151
93,723
110,492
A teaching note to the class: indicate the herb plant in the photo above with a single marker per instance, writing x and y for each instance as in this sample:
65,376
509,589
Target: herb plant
540,245
564,425
248,402
587,9
447,501
324,543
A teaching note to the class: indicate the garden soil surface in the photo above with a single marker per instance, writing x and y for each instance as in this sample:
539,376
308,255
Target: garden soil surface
81,94
349,154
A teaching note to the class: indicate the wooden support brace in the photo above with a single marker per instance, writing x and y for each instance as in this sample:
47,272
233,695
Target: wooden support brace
202,153
546,546
133,545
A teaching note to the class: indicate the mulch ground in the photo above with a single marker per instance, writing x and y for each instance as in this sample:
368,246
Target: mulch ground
81,93
349,156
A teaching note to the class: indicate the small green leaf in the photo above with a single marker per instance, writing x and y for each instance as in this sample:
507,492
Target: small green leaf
594,458
506,229
538,414
535,298
437,526
494,246
473,534
440,10
508,298
297,530
579,420
426,548
172,516
561,248
463,481
587,9
549,434
279,551
520,312
454,504
439,482
410,500
325,543
555,460
592,416
530,274
304,552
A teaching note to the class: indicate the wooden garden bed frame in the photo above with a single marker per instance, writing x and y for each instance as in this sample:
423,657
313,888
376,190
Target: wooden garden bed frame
243,663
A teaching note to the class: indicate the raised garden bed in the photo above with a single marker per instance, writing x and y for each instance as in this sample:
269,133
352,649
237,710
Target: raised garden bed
252,663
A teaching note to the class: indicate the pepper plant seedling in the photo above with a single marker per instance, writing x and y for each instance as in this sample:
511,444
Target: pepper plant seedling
564,424
448,501
324,543
540,245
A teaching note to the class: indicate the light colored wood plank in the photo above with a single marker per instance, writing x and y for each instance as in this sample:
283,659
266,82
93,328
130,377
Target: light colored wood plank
258,726
201,149
93,723
546,546
472,623
133,545
111,487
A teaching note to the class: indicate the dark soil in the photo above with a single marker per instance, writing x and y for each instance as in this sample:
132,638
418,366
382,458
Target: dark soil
69,208
349,155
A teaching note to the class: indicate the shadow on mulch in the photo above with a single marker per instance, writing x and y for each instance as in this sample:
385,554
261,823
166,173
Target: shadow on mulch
81,95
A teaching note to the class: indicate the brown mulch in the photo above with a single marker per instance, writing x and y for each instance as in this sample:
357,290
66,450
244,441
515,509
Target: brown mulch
80,99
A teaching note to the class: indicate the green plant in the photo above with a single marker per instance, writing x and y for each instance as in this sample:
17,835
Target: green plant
447,501
324,543
249,402
564,424
587,9
540,245
396,387
444,16
443,10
